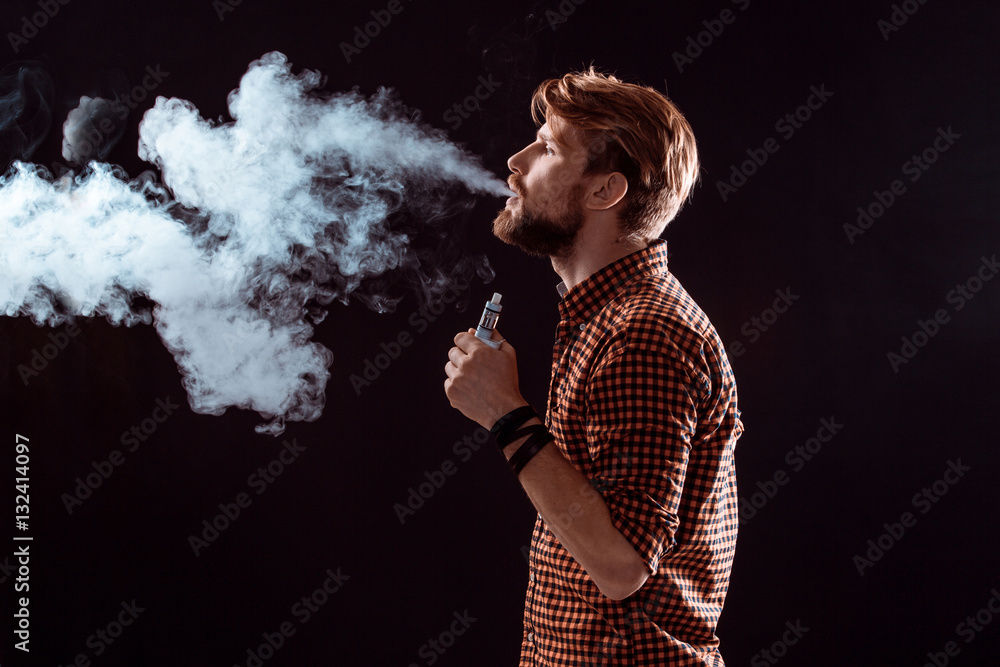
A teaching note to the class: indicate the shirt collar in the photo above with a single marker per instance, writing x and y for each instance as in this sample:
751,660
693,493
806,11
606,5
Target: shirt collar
580,302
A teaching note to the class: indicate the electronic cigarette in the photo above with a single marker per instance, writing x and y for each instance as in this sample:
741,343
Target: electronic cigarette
488,322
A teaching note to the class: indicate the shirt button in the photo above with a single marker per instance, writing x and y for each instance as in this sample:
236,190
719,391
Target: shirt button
582,327
531,576
531,636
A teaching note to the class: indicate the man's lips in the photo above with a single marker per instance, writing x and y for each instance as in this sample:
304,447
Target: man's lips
517,193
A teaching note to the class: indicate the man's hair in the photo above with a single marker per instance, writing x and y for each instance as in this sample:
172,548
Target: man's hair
632,129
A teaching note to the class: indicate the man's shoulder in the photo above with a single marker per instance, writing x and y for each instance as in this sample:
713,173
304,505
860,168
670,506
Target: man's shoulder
659,303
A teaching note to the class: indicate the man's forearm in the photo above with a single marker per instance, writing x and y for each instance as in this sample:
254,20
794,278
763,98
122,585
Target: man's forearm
578,516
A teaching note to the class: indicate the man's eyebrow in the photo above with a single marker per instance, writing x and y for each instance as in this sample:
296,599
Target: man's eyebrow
544,136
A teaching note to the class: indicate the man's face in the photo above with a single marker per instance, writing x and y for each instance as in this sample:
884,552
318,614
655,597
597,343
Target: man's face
546,216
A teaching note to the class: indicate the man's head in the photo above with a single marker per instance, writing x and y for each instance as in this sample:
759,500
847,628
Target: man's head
602,145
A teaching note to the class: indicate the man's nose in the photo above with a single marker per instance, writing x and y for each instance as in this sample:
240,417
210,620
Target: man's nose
516,161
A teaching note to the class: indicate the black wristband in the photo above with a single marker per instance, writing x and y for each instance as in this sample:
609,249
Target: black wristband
527,431
505,427
530,429
539,438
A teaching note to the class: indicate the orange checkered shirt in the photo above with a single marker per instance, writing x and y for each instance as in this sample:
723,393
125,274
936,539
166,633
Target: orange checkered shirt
643,402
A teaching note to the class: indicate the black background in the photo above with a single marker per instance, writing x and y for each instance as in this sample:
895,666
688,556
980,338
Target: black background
462,550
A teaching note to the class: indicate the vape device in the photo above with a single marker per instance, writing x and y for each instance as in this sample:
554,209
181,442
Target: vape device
488,322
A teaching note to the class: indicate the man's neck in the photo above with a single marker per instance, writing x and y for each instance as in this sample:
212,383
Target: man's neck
586,259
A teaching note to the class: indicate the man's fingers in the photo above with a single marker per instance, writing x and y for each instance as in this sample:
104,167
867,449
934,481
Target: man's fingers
466,340
506,348
499,336
455,355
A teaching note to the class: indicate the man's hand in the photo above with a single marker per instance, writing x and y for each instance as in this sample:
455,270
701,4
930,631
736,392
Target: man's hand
482,382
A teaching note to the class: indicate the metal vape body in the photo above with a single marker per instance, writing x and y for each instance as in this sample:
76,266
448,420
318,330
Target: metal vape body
488,322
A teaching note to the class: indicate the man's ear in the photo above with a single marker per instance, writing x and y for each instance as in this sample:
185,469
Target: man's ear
606,191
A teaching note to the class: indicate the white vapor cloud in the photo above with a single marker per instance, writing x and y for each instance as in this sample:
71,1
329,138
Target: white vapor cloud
268,218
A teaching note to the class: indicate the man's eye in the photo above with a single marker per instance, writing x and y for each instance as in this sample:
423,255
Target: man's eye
549,151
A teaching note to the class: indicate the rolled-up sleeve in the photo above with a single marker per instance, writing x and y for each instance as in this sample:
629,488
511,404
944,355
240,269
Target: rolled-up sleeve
642,413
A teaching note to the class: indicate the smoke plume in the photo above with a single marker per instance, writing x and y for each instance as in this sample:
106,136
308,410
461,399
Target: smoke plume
26,93
92,129
258,224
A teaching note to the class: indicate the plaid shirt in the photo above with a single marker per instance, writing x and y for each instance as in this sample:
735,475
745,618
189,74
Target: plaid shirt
643,402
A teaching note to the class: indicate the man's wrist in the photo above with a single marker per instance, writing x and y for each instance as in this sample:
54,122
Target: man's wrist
501,412
504,426
510,449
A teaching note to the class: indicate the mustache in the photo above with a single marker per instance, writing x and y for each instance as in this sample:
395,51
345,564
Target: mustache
515,184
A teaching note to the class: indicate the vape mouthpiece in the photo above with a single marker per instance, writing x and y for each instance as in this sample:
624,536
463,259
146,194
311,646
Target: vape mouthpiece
488,322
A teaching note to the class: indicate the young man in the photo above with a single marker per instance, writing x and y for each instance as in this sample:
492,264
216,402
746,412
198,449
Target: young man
632,472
